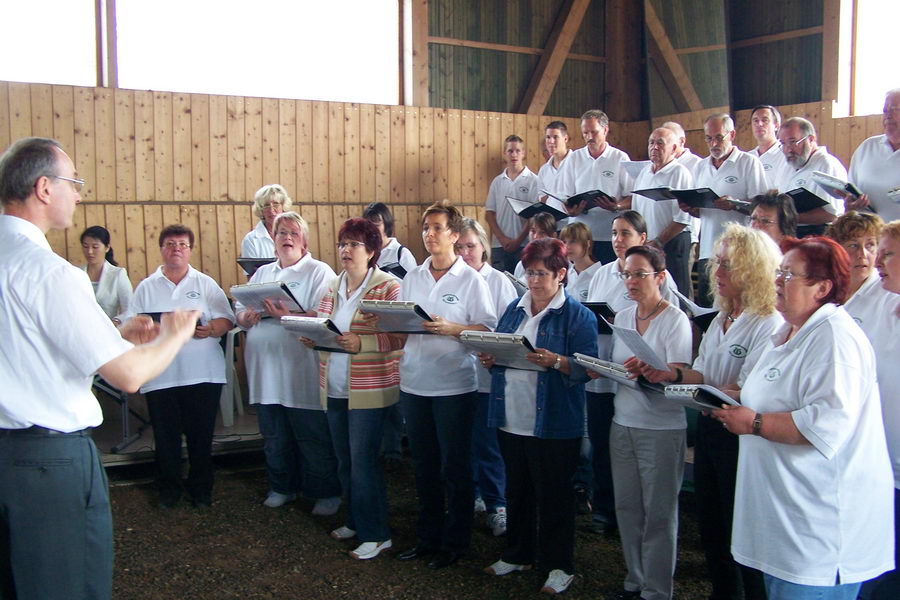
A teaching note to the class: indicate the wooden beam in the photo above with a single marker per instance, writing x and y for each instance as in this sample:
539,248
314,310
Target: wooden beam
544,78
112,46
98,41
668,64
838,56
623,75
698,49
419,10
507,48
777,37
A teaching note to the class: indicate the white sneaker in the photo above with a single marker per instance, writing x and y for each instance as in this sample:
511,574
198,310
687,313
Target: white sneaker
343,533
325,507
557,582
501,567
274,499
497,521
480,506
368,550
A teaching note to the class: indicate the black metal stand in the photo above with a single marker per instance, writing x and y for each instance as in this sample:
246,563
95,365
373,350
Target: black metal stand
121,397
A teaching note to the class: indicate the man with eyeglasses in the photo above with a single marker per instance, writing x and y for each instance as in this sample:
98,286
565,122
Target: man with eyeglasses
875,166
55,518
765,121
803,155
733,174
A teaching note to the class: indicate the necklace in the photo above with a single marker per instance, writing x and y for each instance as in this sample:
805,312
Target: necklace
434,270
652,312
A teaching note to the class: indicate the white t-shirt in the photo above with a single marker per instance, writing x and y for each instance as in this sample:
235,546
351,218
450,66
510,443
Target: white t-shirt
741,176
113,290
582,173
660,214
549,175
526,186
55,335
502,292
258,243
439,365
669,335
280,369
873,308
344,309
773,162
875,170
807,513
198,361
521,384
791,178
726,358
389,254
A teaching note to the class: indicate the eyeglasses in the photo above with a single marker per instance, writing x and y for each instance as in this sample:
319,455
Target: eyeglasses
796,143
78,184
286,233
761,221
787,275
353,245
626,275
529,274
179,245
273,205
717,139
726,265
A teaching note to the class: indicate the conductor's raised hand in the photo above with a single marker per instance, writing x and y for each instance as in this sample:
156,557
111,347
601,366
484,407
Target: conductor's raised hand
180,324
139,329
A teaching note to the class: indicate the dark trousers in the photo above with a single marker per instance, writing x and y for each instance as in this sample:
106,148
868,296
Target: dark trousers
440,440
189,410
887,585
704,291
540,502
603,252
505,261
600,410
678,251
715,474
55,524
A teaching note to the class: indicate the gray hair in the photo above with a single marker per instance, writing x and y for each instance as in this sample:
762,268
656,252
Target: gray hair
806,128
273,191
601,117
725,118
26,161
675,128
469,224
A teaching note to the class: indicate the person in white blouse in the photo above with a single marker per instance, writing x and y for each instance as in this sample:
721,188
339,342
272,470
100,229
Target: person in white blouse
268,202
814,490
392,251
283,377
184,398
112,288
742,271
648,436
439,388
490,478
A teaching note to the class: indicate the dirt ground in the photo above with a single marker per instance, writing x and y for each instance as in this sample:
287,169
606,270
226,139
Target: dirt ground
241,549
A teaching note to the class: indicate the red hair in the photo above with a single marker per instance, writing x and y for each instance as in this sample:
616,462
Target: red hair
551,251
365,231
826,260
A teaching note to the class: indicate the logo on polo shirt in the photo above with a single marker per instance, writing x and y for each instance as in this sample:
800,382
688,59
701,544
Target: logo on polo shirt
450,298
524,189
737,351
773,374
858,320
608,173
192,295
583,295
294,284
801,182
731,179
767,166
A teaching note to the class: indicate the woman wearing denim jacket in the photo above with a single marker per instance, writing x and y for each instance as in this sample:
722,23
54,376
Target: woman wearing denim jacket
541,417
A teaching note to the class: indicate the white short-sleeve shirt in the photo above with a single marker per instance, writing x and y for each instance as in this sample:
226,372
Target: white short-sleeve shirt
875,170
659,215
55,335
582,173
791,178
258,243
549,175
741,176
393,252
439,365
526,186
280,369
669,335
198,361
726,358
502,292
810,512
773,162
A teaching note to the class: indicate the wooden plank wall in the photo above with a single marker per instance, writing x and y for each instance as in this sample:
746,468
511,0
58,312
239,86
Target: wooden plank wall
155,158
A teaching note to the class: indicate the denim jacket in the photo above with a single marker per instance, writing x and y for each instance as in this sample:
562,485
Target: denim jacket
560,398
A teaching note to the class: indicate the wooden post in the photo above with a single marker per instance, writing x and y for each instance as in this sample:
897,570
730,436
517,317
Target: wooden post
112,46
624,22
419,26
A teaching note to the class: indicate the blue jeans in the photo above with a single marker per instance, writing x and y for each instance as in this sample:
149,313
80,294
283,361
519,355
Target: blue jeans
887,585
779,589
356,435
600,416
487,462
296,441
392,439
440,439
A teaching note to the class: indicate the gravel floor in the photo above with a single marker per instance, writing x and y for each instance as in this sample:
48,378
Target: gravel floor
241,549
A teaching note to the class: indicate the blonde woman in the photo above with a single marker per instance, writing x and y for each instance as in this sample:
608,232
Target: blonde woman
268,202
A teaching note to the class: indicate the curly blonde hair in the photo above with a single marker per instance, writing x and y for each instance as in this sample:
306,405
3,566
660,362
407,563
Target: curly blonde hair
753,258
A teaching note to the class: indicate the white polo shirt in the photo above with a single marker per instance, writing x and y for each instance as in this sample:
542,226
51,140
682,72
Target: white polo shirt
526,186
727,358
503,293
394,252
258,243
280,369
773,162
691,160
55,335
669,335
660,214
820,160
549,175
741,176
198,361
810,512
582,173
873,308
578,284
439,365
875,170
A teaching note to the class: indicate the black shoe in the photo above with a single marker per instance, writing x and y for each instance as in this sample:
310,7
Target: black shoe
201,501
416,552
444,558
168,499
583,501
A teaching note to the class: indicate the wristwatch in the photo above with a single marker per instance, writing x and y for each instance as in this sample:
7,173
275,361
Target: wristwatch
558,362
757,424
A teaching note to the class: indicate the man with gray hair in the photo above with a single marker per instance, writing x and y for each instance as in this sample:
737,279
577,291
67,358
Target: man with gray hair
803,155
57,536
875,167
683,154
731,173
765,121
